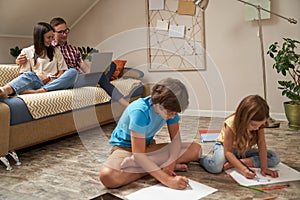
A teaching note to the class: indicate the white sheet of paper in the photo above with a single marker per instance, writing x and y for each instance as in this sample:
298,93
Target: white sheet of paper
286,174
156,4
160,192
177,31
162,25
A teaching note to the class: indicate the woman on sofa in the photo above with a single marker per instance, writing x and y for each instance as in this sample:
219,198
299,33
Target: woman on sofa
46,69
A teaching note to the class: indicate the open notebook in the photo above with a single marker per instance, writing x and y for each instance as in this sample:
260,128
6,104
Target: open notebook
209,135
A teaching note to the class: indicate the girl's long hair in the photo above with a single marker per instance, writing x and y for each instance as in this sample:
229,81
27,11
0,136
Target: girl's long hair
254,108
40,29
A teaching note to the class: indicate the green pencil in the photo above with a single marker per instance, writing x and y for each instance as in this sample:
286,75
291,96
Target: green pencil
253,188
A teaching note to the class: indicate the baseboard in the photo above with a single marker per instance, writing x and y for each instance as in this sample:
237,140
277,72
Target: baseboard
223,114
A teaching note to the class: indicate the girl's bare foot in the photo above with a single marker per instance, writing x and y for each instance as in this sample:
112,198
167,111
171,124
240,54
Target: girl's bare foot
128,162
227,165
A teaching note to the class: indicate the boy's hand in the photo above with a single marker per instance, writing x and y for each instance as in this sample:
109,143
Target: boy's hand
177,182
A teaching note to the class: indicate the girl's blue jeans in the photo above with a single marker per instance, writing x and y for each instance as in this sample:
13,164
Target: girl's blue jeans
214,163
30,81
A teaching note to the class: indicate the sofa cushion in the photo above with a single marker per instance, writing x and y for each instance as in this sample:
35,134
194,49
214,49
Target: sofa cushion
55,102
8,73
119,69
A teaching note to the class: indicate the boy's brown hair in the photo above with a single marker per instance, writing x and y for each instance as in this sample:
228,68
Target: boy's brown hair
171,94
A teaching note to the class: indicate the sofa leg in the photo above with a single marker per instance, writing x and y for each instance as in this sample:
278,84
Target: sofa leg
6,163
14,155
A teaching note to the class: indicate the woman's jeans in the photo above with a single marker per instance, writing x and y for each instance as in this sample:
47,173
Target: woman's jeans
214,163
30,81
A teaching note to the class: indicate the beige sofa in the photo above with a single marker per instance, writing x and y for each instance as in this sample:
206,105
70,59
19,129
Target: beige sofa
17,136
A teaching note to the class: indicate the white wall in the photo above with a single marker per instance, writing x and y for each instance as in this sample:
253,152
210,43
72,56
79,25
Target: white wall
234,65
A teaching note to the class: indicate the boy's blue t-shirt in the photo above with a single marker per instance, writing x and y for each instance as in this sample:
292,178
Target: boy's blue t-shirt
140,117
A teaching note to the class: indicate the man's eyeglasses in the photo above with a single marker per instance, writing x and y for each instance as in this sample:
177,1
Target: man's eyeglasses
66,31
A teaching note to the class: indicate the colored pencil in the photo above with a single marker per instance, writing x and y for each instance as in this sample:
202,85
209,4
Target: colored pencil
269,198
249,168
252,188
276,187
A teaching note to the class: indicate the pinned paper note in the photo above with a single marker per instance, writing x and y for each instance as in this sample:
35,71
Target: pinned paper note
186,7
156,4
177,31
162,25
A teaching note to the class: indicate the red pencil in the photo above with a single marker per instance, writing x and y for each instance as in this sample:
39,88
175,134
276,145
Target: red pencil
276,187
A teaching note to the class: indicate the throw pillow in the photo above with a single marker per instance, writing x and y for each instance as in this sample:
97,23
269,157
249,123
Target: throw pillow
120,66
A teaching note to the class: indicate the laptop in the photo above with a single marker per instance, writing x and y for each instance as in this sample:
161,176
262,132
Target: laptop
99,63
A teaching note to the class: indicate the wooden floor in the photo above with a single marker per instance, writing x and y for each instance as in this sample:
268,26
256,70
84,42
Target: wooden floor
68,168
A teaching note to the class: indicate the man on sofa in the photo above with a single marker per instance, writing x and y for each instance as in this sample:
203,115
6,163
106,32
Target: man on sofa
74,59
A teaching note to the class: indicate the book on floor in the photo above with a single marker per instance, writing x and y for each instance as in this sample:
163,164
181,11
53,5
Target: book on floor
209,135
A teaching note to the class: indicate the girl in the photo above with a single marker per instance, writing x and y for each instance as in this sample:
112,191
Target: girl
240,133
45,70
135,154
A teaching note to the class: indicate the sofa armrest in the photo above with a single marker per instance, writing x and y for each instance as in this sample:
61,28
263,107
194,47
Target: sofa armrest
132,73
8,73
5,127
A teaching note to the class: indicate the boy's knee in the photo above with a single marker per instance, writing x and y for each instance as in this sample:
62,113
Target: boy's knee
107,178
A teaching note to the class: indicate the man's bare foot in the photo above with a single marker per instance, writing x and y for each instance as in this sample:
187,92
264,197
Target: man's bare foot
181,167
227,165
128,162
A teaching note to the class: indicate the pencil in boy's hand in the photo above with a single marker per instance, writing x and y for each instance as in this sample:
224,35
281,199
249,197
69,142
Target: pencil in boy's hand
174,174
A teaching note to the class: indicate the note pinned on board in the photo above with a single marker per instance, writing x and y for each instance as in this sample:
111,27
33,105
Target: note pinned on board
286,173
161,192
177,31
156,4
186,7
162,25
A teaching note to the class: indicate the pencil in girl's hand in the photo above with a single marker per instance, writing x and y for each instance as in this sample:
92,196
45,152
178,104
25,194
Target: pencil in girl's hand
248,168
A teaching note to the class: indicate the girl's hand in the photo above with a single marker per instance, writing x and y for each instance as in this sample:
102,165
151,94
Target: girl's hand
21,59
272,173
248,174
177,182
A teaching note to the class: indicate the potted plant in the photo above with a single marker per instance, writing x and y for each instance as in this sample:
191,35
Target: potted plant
287,63
15,51
86,53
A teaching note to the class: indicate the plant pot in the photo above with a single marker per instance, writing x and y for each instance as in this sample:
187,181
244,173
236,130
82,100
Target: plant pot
292,112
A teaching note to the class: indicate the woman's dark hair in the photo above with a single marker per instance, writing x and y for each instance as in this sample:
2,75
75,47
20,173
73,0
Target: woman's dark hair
40,29
171,94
